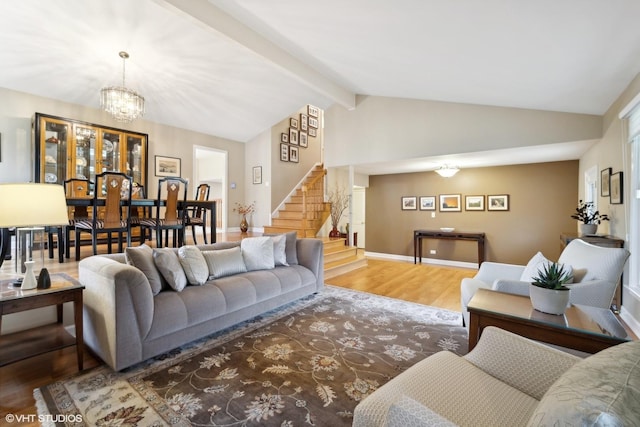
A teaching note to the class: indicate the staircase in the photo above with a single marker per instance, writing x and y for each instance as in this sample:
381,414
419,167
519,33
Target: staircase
305,213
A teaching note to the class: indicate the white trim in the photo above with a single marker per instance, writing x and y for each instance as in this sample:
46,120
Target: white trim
434,261
630,321
629,107
274,214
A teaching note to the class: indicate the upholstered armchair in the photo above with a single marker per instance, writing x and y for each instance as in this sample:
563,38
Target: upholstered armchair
596,271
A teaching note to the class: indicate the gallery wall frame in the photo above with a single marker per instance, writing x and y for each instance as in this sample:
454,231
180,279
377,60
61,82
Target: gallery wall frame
616,188
293,154
474,203
427,203
284,137
498,202
284,152
409,203
257,174
605,182
450,203
303,140
167,166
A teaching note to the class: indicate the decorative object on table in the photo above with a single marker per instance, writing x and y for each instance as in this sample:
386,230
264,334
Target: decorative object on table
450,203
473,203
125,105
31,198
244,210
589,217
427,203
605,182
29,281
498,202
167,166
616,189
44,279
447,171
339,202
409,203
257,174
547,291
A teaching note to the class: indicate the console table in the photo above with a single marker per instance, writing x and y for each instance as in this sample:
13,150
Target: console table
419,235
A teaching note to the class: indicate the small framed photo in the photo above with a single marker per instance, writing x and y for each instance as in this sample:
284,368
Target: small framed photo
499,202
474,203
293,154
293,136
605,182
284,137
304,122
167,166
303,140
257,174
313,123
313,132
313,111
616,189
293,123
427,203
284,152
409,203
450,203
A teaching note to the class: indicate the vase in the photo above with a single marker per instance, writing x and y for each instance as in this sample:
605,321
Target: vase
29,281
244,225
588,229
550,301
334,232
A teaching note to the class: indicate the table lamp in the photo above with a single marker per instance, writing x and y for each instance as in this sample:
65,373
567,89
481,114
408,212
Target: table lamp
32,205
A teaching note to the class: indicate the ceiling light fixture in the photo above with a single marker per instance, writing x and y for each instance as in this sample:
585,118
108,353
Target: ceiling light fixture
447,171
125,105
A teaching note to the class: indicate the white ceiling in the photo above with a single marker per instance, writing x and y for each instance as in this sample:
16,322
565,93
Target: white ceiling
233,68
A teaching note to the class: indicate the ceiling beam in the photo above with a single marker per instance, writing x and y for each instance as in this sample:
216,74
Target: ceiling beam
214,18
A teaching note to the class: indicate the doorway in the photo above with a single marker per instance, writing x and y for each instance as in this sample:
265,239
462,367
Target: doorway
358,215
210,167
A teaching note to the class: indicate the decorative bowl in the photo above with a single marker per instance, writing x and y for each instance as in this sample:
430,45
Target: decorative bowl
447,229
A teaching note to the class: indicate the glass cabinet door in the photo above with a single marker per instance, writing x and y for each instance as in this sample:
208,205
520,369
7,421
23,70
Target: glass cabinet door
109,154
134,158
84,162
54,162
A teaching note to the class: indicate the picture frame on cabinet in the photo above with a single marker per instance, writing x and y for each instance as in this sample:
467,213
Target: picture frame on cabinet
474,203
284,137
313,111
284,152
409,203
293,136
450,203
293,154
303,140
427,203
498,202
616,188
605,182
257,174
167,166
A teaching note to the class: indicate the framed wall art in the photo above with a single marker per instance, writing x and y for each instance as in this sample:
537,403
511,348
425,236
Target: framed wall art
304,122
313,122
616,189
284,137
450,203
167,166
293,154
293,123
303,140
499,202
284,152
293,136
605,181
427,203
313,111
409,203
257,174
313,132
474,203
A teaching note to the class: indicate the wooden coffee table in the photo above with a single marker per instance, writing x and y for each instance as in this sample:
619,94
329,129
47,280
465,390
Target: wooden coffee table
584,328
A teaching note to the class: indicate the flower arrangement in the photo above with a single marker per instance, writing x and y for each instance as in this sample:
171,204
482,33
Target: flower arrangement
585,214
243,209
339,203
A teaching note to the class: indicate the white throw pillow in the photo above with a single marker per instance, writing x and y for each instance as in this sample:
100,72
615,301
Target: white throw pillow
279,249
169,266
224,262
257,253
194,265
537,264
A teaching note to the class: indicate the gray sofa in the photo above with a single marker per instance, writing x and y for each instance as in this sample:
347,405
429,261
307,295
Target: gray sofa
130,314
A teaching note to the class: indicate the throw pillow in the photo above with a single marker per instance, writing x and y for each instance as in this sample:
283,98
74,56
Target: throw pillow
194,265
537,263
279,249
291,248
257,253
141,257
168,264
224,262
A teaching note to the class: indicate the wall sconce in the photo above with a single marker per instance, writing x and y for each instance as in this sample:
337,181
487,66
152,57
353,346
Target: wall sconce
447,171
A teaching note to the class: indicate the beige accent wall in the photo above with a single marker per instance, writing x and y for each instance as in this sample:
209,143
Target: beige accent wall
541,197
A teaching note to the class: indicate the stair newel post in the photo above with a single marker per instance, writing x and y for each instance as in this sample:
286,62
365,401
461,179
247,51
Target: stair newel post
304,205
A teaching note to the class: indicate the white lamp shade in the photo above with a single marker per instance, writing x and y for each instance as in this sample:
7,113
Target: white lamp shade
447,171
28,205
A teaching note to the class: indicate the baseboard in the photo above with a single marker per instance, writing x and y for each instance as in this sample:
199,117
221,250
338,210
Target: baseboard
434,261
631,321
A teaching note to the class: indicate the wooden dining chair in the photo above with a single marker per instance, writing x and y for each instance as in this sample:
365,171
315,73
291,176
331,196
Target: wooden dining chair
173,218
111,211
197,216
77,188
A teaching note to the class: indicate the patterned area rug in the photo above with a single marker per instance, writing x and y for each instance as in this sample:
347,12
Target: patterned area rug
309,363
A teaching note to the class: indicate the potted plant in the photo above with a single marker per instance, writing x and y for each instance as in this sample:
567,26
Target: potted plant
547,291
339,202
244,210
589,217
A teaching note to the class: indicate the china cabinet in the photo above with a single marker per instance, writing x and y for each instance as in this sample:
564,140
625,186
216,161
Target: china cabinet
67,148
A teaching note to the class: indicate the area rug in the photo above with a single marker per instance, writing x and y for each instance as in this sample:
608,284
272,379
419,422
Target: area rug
308,363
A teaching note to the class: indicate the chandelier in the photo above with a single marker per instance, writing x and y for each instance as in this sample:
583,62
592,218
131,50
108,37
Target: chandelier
125,105
447,171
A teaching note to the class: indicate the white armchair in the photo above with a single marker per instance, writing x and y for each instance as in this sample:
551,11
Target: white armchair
596,271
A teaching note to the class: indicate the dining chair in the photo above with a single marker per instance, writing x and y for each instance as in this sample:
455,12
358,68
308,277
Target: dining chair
77,188
173,218
197,216
111,211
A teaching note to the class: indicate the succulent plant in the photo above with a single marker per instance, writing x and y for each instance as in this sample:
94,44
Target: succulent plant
552,276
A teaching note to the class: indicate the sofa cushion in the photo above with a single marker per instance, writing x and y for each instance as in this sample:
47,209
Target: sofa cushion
194,265
279,249
536,264
257,253
224,262
291,249
167,262
141,257
603,389
407,412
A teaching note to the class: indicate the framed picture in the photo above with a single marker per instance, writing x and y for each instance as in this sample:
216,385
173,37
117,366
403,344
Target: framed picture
427,203
284,152
450,203
313,123
284,137
605,182
304,142
616,189
167,166
293,154
499,202
293,123
257,174
304,122
293,136
409,203
474,203
313,132
313,111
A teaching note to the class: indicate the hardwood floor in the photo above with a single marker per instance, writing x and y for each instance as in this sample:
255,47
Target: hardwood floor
429,285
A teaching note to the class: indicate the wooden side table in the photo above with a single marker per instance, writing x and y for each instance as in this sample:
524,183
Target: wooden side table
24,344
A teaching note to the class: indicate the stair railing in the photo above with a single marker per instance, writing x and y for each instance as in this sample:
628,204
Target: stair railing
313,198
